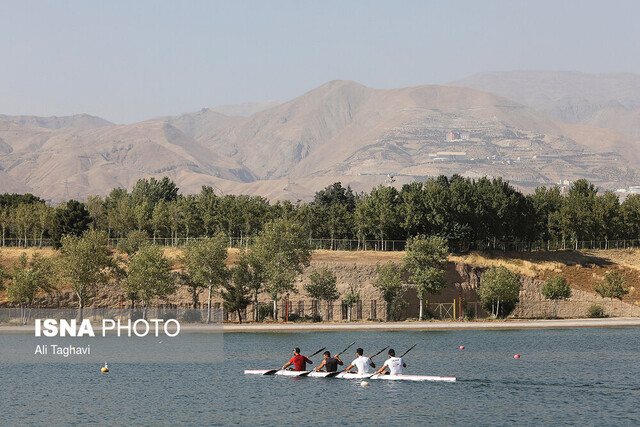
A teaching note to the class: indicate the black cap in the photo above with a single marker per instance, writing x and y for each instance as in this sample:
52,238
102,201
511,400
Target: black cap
392,352
297,350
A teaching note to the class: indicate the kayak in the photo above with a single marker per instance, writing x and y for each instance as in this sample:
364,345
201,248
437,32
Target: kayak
347,375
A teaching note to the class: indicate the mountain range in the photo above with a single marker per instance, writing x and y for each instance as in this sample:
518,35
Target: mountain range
488,124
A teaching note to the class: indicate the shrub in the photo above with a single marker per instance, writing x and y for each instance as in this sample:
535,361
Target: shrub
192,316
595,310
295,317
264,311
169,314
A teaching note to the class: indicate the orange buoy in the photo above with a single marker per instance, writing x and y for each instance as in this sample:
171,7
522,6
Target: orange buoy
105,368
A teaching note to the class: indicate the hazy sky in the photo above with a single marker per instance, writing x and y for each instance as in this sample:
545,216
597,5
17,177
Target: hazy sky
132,60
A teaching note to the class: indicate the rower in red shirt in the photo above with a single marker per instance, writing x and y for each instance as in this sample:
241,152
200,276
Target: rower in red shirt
298,360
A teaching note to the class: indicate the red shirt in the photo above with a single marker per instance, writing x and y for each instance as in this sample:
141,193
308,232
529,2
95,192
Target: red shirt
300,362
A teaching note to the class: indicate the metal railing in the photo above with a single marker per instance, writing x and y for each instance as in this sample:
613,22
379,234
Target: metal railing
374,245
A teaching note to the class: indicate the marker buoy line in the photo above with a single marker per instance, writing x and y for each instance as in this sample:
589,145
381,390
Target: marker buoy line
105,368
517,356
461,347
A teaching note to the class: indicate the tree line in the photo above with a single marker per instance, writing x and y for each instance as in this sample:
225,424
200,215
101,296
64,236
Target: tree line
271,264
455,208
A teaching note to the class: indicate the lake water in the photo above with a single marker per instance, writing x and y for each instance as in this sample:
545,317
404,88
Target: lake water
572,376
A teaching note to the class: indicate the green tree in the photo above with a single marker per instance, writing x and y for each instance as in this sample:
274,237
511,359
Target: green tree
86,263
389,284
97,212
546,203
322,286
71,218
249,271
153,190
499,290
205,260
183,278
208,210
44,221
25,220
386,213
630,211
335,194
235,294
161,220
608,218
149,276
283,251
135,240
5,221
365,220
612,287
556,288
28,278
350,299
577,216
425,261
413,209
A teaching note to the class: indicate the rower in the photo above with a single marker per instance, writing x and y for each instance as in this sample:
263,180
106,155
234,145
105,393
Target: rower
361,363
330,364
299,361
393,365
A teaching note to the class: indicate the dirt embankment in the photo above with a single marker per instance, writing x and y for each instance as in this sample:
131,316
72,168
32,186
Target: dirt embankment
357,270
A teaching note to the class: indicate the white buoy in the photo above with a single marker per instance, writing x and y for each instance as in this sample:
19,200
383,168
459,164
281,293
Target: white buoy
365,383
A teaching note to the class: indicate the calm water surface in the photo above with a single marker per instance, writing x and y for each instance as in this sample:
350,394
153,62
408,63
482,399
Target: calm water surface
574,376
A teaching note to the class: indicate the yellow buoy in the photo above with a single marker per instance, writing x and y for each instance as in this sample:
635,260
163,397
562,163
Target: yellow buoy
105,368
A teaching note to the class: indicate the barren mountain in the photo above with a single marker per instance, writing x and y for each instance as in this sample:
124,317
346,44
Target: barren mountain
246,109
602,100
80,121
200,124
61,164
341,131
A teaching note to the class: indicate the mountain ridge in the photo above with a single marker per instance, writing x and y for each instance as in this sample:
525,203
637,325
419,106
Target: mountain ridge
339,131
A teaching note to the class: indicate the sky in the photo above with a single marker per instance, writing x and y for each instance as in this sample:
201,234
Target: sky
128,61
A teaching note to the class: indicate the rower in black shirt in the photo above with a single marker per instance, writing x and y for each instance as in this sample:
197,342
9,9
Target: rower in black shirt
330,364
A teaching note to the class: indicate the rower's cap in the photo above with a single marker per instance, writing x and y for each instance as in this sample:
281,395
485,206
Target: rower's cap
297,350
392,352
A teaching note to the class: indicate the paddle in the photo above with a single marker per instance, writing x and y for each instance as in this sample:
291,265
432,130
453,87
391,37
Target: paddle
316,352
403,354
371,357
273,371
348,347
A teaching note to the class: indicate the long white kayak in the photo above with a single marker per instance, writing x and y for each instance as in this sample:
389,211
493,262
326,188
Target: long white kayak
347,375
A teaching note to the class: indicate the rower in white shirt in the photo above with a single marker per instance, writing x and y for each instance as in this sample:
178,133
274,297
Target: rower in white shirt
362,363
393,365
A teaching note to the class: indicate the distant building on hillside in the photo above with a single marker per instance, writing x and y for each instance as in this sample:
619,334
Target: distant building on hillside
458,136
448,155
634,189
